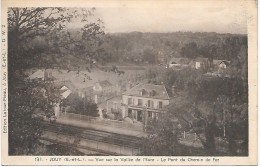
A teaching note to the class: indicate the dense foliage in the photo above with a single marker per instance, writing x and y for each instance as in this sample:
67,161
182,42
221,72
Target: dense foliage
81,106
211,107
27,28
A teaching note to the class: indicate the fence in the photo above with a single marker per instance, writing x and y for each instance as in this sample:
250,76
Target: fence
190,139
105,122
189,136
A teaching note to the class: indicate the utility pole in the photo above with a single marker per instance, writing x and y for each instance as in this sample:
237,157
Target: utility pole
224,122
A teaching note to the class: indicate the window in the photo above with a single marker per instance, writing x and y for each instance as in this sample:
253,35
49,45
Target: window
141,92
152,93
130,114
160,104
150,104
156,115
149,114
129,101
140,102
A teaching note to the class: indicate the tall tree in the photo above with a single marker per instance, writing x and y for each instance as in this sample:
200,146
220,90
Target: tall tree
25,27
190,50
162,139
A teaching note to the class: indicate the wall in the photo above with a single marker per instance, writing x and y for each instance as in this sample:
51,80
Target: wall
198,65
145,101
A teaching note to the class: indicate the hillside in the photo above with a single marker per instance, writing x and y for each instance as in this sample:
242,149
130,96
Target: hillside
137,48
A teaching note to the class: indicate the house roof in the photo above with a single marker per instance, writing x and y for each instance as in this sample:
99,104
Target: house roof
37,74
77,79
105,83
88,89
218,62
115,99
66,83
160,91
40,74
66,93
179,60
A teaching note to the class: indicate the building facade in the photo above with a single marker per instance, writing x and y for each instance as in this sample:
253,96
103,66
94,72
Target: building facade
103,91
144,102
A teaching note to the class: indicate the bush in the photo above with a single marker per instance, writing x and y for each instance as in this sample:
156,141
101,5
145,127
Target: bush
83,107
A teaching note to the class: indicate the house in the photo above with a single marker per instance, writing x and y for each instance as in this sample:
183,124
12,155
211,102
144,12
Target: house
112,108
86,93
41,74
66,89
221,65
179,62
103,86
144,102
65,84
103,91
201,62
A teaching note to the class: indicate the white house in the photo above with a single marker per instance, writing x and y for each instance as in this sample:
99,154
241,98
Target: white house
221,65
201,62
178,62
66,88
144,102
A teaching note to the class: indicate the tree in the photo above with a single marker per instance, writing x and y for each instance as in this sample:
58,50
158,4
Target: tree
149,56
226,97
27,25
28,31
162,139
200,99
190,50
79,105
24,129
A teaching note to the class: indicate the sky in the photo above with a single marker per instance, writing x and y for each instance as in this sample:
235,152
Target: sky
218,18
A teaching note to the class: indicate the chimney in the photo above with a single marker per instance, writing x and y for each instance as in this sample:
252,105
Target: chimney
46,76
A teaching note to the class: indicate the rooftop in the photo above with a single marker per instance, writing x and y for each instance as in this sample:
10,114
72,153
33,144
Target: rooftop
105,83
217,62
80,80
37,74
179,60
67,83
158,91
115,99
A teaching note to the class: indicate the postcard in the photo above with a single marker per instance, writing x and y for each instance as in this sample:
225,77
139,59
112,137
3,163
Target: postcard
129,82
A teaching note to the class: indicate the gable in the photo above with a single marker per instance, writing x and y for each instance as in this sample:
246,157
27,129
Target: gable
148,90
97,87
64,88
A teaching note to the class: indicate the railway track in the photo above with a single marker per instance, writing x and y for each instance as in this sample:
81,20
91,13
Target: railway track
101,152
90,134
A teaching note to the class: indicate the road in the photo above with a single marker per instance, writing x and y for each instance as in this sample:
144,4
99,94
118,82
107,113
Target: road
110,140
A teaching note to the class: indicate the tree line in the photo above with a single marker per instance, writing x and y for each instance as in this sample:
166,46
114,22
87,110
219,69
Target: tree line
211,107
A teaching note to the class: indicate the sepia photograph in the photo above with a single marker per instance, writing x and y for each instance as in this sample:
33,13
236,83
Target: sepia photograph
124,80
